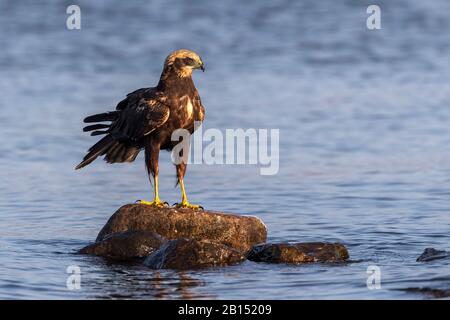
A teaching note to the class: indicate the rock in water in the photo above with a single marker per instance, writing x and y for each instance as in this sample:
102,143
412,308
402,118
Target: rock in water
238,232
298,252
125,245
430,254
434,292
182,254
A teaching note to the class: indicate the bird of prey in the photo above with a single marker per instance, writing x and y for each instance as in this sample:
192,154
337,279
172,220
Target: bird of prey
146,118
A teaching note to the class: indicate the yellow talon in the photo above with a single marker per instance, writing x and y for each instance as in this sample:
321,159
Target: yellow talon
156,203
188,205
184,202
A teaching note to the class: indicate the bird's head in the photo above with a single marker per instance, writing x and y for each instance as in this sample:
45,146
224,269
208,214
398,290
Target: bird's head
183,62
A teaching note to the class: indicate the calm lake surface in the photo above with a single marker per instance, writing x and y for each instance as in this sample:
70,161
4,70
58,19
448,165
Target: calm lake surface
364,119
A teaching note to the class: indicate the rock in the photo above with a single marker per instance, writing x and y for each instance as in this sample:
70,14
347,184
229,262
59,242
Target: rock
430,254
125,245
435,293
298,252
239,232
182,254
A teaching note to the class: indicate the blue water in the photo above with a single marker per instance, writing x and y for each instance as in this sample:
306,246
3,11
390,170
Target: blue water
364,141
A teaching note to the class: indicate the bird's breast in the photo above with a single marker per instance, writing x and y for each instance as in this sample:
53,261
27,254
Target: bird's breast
186,108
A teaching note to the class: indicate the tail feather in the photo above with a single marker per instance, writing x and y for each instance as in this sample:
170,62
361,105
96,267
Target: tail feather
114,150
131,154
96,150
121,153
99,132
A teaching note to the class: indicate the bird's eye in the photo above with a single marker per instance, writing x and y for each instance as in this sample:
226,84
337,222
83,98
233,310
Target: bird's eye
189,61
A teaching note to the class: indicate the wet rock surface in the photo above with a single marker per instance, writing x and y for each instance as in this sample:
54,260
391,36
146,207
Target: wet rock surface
124,246
238,232
430,254
185,253
434,293
298,252
181,239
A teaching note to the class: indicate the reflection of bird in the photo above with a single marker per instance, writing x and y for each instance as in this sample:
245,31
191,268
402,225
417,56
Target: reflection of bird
146,119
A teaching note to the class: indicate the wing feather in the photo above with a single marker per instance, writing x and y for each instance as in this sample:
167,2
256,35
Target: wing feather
143,114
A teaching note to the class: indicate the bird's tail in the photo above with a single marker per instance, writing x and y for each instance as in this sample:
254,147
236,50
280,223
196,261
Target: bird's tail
96,150
115,151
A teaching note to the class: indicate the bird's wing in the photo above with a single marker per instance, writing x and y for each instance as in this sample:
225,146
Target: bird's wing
200,116
141,116
134,97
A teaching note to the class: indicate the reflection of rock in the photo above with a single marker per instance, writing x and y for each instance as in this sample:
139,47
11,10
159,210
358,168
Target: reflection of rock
239,232
125,245
298,252
191,254
435,293
430,254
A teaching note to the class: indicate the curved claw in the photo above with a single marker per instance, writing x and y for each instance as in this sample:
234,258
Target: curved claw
158,203
187,205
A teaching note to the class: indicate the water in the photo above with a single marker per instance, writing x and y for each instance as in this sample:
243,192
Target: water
364,134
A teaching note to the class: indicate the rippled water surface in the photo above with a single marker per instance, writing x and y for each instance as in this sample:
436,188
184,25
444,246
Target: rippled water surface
364,119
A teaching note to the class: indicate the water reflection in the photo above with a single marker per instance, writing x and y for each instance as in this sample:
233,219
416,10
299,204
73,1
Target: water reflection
132,280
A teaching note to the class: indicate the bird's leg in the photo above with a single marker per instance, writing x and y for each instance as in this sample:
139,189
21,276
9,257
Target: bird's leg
156,201
151,161
184,201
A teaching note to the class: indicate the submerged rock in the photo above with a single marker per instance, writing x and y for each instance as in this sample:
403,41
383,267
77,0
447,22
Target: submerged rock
125,245
185,253
238,232
430,254
435,293
298,252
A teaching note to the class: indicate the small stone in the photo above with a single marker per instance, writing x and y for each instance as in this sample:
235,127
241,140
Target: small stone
430,254
298,252
182,254
125,245
433,292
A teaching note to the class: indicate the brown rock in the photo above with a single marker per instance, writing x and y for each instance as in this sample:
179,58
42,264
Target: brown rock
182,254
298,252
239,232
125,245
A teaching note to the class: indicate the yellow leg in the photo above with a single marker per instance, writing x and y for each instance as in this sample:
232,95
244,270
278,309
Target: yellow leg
156,201
184,202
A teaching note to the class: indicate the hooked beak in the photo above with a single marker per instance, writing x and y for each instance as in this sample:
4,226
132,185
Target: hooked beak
201,66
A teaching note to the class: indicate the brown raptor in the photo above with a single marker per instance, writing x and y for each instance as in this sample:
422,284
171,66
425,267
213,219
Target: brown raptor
146,119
